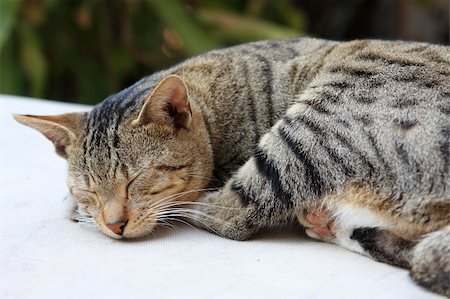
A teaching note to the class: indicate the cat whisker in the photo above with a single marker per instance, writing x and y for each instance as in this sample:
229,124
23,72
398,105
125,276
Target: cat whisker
164,223
183,215
176,195
176,203
180,220
189,214
82,217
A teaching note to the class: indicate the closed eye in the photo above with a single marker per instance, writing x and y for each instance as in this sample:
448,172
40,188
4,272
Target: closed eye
171,168
87,191
161,190
129,184
85,196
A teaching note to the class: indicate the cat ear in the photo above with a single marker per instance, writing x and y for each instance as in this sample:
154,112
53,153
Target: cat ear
168,104
62,129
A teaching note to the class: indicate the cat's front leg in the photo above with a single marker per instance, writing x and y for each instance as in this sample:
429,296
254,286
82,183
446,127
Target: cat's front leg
243,206
223,212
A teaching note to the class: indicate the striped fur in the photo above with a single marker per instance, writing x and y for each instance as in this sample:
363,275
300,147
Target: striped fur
284,127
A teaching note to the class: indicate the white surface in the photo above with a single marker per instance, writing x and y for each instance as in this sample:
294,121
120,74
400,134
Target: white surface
43,254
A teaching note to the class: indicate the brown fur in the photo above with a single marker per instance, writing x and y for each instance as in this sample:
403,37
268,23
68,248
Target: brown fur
281,127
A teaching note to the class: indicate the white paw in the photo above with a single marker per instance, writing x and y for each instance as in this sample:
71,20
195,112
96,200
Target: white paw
321,225
318,224
342,238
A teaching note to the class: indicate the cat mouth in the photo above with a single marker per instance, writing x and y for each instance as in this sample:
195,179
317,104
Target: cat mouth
110,233
128,231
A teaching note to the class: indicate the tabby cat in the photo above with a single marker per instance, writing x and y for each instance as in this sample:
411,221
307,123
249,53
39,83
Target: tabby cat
350,139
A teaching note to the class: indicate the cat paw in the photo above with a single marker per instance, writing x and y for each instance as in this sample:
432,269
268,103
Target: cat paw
318,224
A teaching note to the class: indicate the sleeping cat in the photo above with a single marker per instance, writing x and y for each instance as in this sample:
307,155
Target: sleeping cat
351,139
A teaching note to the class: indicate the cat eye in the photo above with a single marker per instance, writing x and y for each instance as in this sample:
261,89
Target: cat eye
129,185
161,190
85,196
170,168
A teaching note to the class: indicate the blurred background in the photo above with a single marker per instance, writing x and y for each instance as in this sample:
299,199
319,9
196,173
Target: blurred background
84,50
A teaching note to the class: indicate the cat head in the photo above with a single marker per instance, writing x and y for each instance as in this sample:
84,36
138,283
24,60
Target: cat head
131,163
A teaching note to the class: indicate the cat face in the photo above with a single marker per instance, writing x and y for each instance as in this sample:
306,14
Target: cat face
140,172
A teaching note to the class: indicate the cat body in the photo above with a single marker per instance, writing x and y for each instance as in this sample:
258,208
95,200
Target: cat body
357,130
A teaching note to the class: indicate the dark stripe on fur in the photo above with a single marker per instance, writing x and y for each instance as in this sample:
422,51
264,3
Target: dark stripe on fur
312,174
389,60
356,72
267,169
339,85
365,99
386,168
329,97
293,71
401,151
322,137
124,169
405,124
445,152
384,246
267,72
365,120
293,53
402,103
246,197
318,107
344,141
251,100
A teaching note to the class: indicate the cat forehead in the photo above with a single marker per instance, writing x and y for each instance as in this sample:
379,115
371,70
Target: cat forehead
112,152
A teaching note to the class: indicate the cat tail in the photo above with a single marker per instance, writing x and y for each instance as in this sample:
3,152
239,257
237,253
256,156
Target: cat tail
430,261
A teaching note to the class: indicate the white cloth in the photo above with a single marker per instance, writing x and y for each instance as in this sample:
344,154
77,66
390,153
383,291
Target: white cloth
43,254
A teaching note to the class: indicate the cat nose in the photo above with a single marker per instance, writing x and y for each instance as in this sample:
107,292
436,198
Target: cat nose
117,227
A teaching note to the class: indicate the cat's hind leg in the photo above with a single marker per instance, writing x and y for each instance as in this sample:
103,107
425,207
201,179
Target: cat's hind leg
380,244
428,259
318,224
430,262
321,224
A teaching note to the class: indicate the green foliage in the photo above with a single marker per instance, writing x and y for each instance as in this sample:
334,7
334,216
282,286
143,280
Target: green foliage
8,11
84,50
10,77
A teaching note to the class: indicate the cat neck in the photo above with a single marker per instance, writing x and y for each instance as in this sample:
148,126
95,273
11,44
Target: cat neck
241,96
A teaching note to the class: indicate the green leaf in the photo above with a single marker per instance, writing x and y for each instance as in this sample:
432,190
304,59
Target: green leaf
32,59
8,14
11,78
236,28
173,15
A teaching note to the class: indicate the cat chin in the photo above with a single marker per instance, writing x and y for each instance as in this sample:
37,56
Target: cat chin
108,232
112,235
125,235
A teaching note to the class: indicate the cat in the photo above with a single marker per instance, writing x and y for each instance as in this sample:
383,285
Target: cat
349,139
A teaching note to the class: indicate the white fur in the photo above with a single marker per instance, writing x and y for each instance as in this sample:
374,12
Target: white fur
348,218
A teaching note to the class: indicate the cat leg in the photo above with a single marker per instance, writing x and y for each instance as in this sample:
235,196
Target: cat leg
223,213
357,230
321,225
384,246
244,205
318,224
430,261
